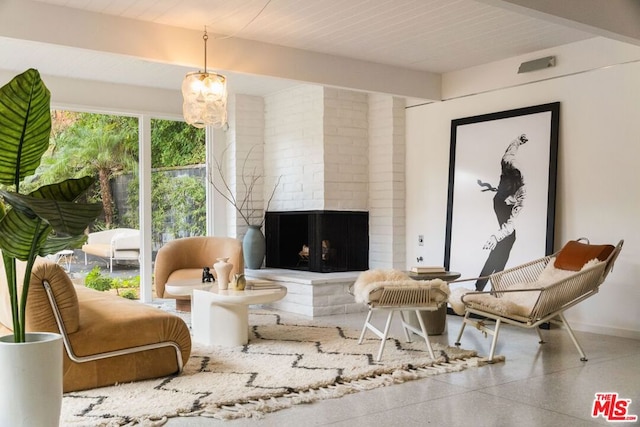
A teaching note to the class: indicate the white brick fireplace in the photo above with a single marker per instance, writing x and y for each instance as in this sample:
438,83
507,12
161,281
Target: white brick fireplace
334,150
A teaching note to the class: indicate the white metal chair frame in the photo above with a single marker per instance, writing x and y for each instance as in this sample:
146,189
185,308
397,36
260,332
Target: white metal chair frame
550,305
92,357
415,298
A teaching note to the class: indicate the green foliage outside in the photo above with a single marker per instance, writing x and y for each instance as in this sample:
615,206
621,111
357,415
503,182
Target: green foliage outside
104,146
97,145
126,283
125,287
95,280
129,294
178,205
176,144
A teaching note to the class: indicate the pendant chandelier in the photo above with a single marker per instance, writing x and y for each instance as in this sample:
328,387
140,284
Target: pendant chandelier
205,96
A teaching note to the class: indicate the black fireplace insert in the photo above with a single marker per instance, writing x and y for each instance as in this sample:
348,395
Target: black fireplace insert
320,241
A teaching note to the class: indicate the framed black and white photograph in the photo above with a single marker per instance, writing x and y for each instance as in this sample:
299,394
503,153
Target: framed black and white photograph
502,185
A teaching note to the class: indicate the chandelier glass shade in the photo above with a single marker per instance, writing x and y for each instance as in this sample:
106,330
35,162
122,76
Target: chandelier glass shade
205,97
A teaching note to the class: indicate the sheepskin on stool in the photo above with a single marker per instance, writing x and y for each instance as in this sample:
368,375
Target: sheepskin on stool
393,290
370,279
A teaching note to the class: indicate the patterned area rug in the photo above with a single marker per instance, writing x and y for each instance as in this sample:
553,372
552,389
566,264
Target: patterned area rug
285,363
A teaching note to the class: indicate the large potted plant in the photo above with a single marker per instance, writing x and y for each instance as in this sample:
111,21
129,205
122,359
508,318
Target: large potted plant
40,223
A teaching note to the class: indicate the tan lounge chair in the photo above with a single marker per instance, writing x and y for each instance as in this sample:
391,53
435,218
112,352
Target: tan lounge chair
107,339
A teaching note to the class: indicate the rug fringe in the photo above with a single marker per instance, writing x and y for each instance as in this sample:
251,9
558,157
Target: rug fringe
258,408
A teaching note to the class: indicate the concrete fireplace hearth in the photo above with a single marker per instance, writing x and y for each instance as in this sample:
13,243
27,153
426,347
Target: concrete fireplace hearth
310,293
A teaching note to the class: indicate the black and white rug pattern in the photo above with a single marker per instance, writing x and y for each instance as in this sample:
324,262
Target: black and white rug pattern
284,363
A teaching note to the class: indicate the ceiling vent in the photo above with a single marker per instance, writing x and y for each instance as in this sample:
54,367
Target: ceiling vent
537,64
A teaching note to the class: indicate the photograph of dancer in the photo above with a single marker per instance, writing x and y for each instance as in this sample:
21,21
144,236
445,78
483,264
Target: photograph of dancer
507,203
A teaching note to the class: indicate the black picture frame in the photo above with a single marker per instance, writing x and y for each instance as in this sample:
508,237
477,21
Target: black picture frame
501,165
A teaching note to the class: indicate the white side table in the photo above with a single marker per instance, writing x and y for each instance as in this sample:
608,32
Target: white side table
221,317
64,257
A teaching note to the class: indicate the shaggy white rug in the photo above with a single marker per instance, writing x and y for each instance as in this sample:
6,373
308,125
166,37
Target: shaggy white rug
285,363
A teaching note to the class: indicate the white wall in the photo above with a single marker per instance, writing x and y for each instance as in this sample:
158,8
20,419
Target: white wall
598,177
571,58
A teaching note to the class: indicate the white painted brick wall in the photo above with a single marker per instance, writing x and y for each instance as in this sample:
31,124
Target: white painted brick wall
346,150
294,147
317,139
386,182
244,159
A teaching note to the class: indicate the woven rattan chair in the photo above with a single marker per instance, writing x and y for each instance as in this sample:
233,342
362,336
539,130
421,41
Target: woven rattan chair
398,293
540,291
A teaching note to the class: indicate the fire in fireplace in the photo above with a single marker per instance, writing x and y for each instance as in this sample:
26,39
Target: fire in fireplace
320,241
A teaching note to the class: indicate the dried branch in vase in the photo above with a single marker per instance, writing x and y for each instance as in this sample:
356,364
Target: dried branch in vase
245,204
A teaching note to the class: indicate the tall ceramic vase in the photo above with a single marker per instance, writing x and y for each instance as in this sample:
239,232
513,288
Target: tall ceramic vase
31,379
223,270
254,247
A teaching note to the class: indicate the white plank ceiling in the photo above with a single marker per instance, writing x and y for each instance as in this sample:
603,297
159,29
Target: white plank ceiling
430,35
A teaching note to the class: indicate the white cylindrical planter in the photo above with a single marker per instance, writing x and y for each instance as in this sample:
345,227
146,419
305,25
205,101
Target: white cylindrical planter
223,270
31,380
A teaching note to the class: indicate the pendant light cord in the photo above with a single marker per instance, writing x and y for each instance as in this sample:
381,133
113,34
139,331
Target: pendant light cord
205,37
247,24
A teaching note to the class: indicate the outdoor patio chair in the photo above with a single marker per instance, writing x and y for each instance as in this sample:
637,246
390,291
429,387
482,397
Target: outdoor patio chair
540,291
391,291
116,244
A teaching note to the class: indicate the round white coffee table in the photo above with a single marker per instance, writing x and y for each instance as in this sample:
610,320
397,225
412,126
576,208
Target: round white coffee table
221,317
185,287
